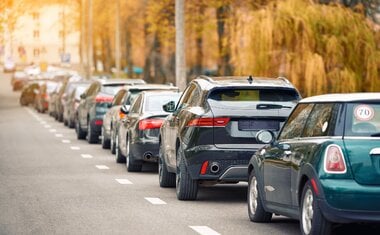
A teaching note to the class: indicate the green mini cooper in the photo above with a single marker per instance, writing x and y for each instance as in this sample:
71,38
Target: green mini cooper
324,167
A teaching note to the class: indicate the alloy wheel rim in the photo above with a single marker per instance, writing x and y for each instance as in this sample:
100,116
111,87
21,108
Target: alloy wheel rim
117,147
253,195
102,136
307,211
127,151
178,180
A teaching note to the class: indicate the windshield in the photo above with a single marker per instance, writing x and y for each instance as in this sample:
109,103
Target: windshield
363,119
155,102
111,89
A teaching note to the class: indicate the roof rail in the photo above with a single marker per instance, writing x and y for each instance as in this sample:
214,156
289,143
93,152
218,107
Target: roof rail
284,79
206,78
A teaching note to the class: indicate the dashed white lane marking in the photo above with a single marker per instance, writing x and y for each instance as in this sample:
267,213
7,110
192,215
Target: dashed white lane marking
53,130
102,167
66,141
58,135
155,200
123,181
86,156
204,230
47,126
74,147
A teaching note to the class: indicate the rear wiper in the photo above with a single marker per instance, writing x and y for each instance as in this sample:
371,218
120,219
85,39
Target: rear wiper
272,106
375,134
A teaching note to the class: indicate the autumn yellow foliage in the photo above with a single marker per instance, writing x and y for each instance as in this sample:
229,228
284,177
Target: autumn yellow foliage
320,48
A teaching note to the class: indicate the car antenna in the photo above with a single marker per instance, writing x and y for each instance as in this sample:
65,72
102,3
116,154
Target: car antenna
250,79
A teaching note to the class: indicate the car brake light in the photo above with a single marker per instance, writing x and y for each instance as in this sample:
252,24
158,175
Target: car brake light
98,122
150,124
204,168
209,122
334,160
101,99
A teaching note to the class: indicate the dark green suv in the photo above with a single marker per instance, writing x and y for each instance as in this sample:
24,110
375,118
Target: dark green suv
324,167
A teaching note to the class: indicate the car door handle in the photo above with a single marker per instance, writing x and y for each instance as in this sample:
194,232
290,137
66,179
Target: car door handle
375,151
287,152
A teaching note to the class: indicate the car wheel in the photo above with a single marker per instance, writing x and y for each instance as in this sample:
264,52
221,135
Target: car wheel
186,187
112,142
105,142
120,158
65,122
131,164
92,137
312,221
256,211
166,178
81,135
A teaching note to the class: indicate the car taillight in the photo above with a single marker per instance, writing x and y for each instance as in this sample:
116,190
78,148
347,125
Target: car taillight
122,115
334,160
204,168
101,99
209,122
98,122
150,124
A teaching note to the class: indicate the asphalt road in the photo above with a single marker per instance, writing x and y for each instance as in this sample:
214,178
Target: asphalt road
52,183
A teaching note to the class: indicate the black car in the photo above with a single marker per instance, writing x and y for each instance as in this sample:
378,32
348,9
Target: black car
94,104
211,134
124,97
137,139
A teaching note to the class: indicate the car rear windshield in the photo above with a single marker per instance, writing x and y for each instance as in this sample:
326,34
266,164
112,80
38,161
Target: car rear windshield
363,119
155,102
111,89
267,94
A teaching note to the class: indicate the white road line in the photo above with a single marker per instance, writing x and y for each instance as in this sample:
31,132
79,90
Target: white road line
86,156
66,141
58,135
204,230
53,130
74,147
102,167
155,200
47,126
123,181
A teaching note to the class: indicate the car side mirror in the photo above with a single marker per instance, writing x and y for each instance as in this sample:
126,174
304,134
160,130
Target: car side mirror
169,107
265,137
124,109
83,96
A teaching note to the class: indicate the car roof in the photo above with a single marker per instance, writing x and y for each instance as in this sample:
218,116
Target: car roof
159,92
125,81
226,81
148,86
342,97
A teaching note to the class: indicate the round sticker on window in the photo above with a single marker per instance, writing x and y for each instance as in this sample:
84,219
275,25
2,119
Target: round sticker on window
364,113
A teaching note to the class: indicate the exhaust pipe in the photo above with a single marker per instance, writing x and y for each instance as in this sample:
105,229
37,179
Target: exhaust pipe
148,155
214,167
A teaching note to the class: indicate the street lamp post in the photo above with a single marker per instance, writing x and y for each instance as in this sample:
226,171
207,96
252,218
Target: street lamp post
180,57
117,39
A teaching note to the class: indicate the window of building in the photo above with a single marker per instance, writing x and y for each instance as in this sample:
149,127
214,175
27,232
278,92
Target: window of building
36,52
36,34
36,16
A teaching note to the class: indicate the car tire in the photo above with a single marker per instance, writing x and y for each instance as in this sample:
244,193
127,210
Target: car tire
186,187
256,211
92,137
65,122
105,142
165,178
312,221
131,163
120,158
81,135
112,142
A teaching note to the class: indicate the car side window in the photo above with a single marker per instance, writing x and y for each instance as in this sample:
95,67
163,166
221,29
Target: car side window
319,120
135,108
296,122
186,96
91,89
195,97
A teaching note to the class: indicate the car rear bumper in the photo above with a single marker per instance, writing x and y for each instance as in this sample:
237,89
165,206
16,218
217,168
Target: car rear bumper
145,150
232,164
346,201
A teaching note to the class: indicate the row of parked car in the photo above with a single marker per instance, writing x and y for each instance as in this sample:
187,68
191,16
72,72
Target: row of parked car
320,165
